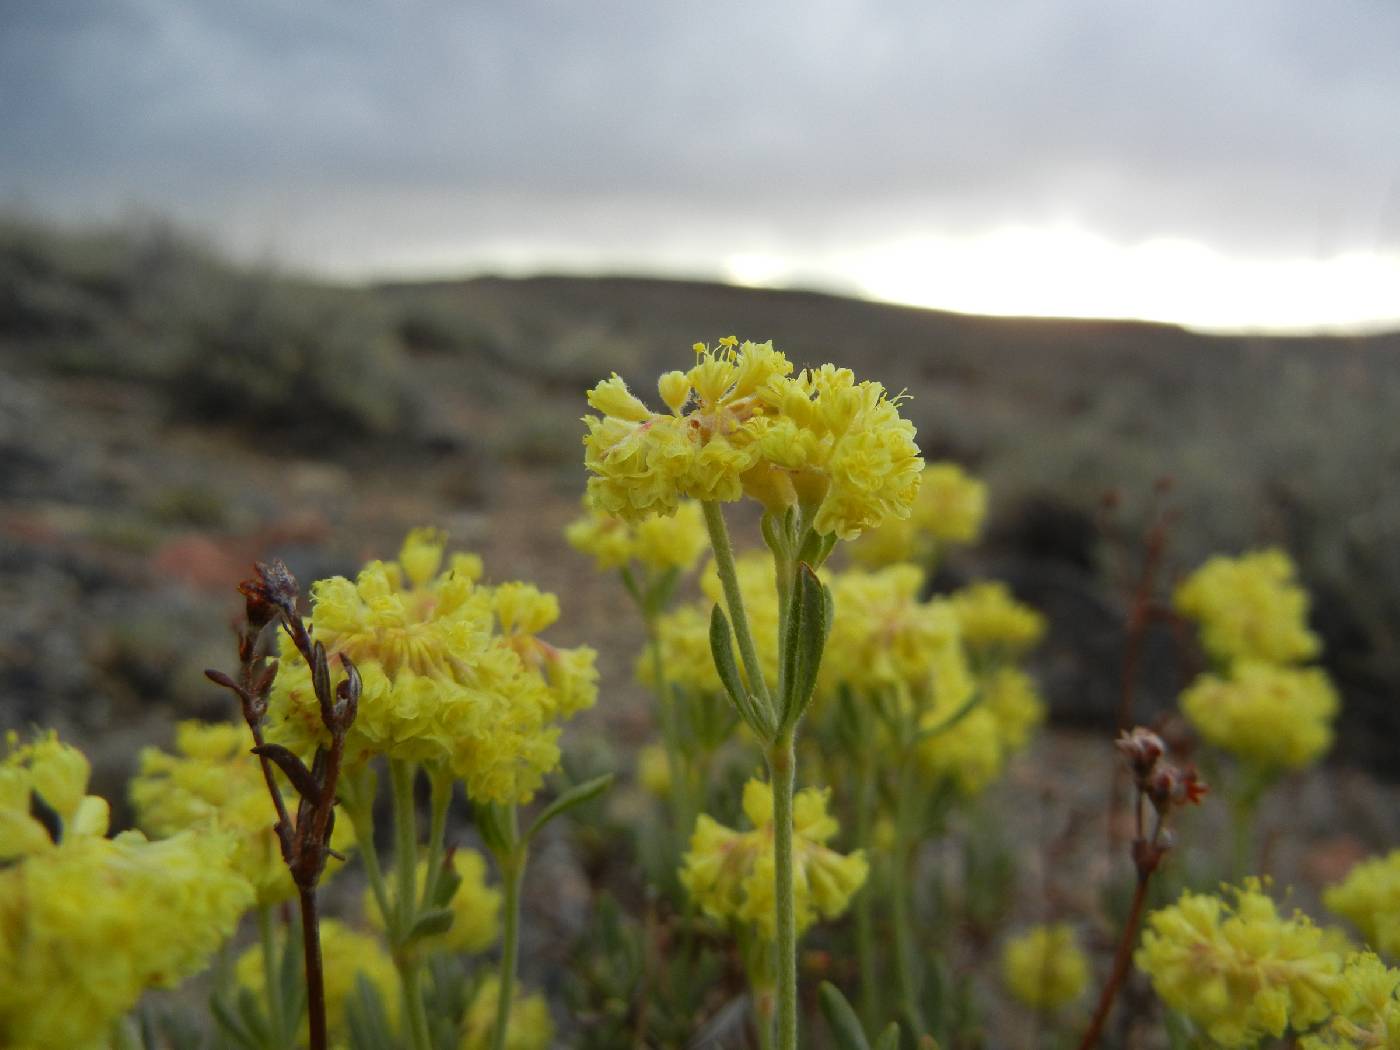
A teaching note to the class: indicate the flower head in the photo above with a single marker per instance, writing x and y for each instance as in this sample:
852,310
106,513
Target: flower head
454,673
993,623
659,544
739,421
43,796
950,508
88,926
1272,717
1370,1018
1370,897
1250,608
1237,968
1044,967
730,873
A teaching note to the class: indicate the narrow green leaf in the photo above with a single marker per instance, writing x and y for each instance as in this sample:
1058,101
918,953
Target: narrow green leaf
722,651
889,1038
291,978
809,639
575,796
446,888
431,923
953,719
228,1020
250,1010
841,1019
367,1020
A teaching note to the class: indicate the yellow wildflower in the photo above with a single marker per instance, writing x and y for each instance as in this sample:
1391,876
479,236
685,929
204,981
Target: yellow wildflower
213,781
740,422
951,508
994,623
1370,897
531,1027
454,673
1013,701
1250,608
969,755
1370,1020
1240,971
476,908
56,774
1268,716
348,955
1044,967
654,770
88,926
661,543
729,873
884,639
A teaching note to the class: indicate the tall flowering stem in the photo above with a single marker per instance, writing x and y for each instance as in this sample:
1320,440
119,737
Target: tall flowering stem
271,596
1165,787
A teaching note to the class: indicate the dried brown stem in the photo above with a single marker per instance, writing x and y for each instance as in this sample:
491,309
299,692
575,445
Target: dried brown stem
1121,959
272,596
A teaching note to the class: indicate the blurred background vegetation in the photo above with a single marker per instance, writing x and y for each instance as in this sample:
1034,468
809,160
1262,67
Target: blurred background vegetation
166,416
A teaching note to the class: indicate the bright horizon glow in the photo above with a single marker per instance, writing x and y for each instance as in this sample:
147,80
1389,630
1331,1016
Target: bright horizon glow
1058,270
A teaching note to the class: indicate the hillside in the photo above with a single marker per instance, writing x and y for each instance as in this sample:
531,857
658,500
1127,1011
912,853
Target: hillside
166,417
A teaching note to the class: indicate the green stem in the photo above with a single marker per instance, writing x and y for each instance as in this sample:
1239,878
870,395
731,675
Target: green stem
901,904
512,872
409,975
680,801
729,580
441,788
405,845
782,763
361,815
405,912
272,973
865,901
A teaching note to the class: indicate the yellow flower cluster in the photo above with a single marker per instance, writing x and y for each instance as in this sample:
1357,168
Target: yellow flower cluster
348,955
659,543
1044,967
454,672
1250,608
1370,897
885,640
476,908
729,873
1370,1019
530,1025
951,508
740,421
1241,971
88,926
1272,717
993,623
654,770
57,774
211,781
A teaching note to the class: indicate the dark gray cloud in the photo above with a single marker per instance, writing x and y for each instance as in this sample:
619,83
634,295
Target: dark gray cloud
1255,126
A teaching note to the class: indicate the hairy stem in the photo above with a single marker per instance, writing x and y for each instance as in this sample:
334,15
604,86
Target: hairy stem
401,776
441,787
512,873
782,762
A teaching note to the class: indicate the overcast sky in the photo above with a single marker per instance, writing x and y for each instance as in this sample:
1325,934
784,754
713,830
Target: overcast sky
1219,163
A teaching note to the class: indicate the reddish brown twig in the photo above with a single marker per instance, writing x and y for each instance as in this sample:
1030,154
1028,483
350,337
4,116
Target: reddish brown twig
271,597
1165,787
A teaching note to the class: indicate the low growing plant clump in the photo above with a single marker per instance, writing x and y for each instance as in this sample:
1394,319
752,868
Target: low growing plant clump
821,730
